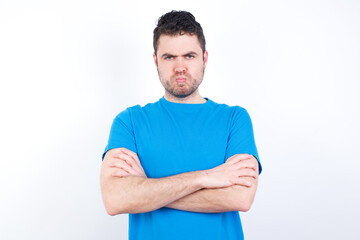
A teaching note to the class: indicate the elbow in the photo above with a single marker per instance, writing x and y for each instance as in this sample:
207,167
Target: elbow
244,198
244,202
114,209
111,211
115,206
244,206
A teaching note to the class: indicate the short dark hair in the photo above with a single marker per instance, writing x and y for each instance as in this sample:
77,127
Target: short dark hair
178,22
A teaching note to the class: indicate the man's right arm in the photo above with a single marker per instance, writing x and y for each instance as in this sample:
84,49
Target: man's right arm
137,194
134,194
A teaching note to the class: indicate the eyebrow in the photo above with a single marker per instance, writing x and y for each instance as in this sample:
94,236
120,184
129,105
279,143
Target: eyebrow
171,55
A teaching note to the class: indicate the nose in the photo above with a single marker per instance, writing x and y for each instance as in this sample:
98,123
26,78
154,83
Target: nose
180,66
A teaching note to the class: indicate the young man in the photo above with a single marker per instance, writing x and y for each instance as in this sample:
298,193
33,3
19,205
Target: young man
183,166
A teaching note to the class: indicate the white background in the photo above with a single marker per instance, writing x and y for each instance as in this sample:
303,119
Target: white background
68,67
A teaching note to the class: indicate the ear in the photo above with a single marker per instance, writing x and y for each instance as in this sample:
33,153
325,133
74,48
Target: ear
155,59
206,55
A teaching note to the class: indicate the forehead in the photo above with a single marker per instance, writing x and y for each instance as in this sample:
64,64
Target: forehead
178,44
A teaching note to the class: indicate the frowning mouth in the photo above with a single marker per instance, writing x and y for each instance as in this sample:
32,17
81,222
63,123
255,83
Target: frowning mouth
180,80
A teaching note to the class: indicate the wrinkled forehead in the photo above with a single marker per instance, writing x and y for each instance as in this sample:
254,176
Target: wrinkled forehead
178,44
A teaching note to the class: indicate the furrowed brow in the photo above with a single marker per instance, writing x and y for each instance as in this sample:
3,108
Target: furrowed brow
165,55
190,53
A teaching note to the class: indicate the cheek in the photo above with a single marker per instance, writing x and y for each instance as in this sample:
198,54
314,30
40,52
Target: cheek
165,68
198,69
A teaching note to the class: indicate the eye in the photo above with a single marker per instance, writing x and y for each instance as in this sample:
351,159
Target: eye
169,58
190,56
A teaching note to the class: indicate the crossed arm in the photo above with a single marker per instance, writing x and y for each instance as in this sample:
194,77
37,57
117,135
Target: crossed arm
228,187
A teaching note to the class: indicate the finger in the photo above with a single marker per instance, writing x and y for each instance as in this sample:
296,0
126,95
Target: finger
243,182
238,157
132,154
135,164
123,165
244,156
120,173
134,158
128,159
231,160
253,163
247,172
249,163
124,157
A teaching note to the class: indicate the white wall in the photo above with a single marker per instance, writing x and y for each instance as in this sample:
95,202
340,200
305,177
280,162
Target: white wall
68,67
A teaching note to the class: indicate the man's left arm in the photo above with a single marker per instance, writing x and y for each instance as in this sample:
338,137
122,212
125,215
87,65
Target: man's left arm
234,198
237,197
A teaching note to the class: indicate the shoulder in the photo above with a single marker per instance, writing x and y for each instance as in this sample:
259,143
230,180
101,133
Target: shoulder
230,110
136,110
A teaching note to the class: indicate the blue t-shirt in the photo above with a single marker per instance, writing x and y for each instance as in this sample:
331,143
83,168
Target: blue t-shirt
173,138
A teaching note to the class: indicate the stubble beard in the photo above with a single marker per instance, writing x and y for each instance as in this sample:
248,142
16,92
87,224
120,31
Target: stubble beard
181,90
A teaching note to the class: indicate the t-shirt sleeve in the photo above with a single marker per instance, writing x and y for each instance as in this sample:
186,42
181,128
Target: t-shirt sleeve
241,138
121,133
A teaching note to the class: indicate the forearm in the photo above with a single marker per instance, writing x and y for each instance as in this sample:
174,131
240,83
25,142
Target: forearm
126,189
233,198
237,197
134,194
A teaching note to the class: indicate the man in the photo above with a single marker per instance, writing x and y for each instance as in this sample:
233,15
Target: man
183,166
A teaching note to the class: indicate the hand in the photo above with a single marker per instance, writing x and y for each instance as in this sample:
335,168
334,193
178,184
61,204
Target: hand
125,162
237,170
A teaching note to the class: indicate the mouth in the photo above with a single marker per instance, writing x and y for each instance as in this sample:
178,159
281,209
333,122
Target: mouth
180,80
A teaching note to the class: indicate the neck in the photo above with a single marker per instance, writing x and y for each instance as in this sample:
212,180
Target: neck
189,99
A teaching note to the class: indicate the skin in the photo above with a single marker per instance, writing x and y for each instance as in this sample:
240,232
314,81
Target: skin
126,189
181,56
228,187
